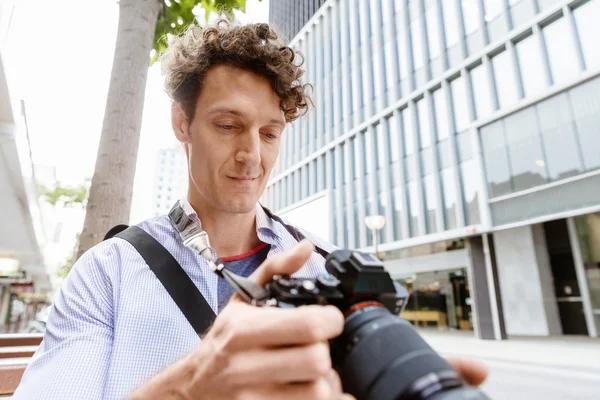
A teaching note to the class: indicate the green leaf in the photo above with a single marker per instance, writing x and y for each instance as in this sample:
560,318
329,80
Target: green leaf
66,196
177,16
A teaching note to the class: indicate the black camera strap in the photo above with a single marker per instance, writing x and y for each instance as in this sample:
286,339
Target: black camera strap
171,275
292,230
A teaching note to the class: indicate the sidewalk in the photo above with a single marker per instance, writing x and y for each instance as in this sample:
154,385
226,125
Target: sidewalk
574,353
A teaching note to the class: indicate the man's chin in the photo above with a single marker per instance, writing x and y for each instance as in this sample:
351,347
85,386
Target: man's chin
242,207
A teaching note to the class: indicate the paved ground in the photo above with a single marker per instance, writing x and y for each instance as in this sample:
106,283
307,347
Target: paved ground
530,368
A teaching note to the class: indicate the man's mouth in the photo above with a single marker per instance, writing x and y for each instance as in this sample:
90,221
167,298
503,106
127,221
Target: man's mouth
243,179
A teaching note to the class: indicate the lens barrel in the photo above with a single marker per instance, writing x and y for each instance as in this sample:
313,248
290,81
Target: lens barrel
382,357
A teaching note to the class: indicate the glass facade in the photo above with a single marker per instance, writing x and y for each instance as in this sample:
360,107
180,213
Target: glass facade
554,139
438,107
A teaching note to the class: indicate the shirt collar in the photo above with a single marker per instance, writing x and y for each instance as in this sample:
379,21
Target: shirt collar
266,228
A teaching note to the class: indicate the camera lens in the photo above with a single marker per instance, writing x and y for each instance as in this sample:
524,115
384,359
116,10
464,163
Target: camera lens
380,356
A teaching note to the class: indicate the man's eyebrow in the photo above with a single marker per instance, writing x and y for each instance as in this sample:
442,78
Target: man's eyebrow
225,110
231,111
278,122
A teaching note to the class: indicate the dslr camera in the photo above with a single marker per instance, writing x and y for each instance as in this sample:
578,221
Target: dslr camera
379,356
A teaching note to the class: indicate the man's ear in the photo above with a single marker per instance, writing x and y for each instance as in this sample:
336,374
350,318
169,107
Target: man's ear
180,123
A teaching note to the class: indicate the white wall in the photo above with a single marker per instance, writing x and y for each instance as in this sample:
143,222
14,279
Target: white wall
526,283
311,215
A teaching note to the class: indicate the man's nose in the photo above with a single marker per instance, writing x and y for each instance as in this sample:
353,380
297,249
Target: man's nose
249,148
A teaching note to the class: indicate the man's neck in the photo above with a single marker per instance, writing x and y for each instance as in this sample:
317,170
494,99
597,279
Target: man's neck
230,234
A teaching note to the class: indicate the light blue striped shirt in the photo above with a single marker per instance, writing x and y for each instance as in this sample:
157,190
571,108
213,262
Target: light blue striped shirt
113,326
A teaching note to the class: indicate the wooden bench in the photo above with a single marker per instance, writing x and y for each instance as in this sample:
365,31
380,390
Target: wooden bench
15,353
418,317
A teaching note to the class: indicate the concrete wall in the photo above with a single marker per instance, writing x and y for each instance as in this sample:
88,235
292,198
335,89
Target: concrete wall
402,267
526,287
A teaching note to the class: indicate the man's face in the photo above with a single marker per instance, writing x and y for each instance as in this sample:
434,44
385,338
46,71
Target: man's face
233,140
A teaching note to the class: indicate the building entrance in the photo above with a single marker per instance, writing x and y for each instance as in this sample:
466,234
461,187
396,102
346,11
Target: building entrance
566,287
439,298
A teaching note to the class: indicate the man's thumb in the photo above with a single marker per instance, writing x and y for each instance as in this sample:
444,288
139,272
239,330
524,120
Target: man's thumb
283,264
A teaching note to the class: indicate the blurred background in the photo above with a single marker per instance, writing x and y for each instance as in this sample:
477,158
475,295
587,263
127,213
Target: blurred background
457,140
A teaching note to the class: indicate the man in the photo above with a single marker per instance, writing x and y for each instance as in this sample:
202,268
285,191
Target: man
114,332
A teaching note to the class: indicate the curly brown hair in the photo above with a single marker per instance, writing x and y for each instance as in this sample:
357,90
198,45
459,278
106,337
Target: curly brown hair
253,47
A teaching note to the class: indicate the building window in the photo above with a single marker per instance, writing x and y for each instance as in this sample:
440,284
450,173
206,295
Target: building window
463,142
449,193
424,125
414,208
506,83
561,51
368,146
441,115
495,19
462,119
586,18
546,4
531,66
409,132
450,11
357,223
472,20
481,91
357,157
416,32
431,203
585,100
398,212
496,159
559,137
433,39
469,172
521,11
394,138
382,144
527,162
444,153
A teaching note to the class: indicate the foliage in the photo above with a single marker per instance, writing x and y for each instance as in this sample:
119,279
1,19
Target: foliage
66,196
65,268
177,15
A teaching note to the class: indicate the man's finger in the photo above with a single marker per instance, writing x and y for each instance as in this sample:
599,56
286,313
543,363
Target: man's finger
264,327
280,365
473,371
285,263
281,264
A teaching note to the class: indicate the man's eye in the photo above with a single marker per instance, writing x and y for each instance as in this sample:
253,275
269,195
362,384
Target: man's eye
227,127
270,136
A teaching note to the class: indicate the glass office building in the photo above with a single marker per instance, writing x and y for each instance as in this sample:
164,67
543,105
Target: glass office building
473,126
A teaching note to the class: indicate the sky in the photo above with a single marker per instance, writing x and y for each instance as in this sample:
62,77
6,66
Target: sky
58,57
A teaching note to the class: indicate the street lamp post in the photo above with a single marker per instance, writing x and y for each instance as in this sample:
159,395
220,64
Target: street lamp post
375,223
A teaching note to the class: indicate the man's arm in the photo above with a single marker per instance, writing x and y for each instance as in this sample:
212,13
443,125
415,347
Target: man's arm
74,356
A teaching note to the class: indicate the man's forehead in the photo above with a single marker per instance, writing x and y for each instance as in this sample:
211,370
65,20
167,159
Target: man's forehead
229,75
237,91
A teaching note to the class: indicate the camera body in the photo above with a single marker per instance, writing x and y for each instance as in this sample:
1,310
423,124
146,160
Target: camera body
352,278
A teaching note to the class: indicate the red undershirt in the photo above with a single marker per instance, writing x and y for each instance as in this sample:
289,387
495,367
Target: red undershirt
244,255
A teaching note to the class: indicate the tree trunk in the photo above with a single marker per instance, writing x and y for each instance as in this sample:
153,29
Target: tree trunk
109,202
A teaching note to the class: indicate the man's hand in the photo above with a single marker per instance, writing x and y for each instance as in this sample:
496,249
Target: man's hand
474,372
259,353
268,353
